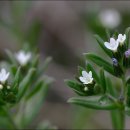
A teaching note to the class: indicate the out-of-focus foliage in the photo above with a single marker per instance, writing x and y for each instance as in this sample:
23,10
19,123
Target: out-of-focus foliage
23,94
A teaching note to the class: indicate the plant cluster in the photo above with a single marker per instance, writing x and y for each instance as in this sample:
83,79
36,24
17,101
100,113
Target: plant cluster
23,88
97,90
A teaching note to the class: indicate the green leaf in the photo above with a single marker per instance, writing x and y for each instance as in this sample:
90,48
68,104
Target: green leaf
33,33
76,87
25,83
93,102
13,69
2,102
127,32
110,88
117,119
80,69
37,100
35,90
127,110
90,68
102,80
17,76
11,57
115,35
45,125
45,65
108,34
35,61
100,62
101,43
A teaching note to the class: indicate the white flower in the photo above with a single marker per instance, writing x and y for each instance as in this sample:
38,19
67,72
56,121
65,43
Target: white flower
22,57
3,76
121,38
86,78
112,45
110,18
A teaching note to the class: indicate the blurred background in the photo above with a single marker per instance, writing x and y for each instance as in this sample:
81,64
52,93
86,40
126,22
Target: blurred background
63,30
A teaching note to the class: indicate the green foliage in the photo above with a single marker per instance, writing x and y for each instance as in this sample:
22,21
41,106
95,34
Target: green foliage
23,94
28,87
101,43
104,95
94,103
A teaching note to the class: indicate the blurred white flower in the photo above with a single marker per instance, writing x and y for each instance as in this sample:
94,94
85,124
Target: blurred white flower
110,18
121,38
86,78
112,45
23,58
3,75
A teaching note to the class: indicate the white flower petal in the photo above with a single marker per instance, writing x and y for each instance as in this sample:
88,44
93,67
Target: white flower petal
82,79
112,40
85,74
86,78
3,75
113,45
107,45
90,73
121,38
23,58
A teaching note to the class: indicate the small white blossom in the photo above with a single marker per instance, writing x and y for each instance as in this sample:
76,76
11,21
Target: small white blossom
23,58
1,86
3,76
110,18
86,78
121,38
112,45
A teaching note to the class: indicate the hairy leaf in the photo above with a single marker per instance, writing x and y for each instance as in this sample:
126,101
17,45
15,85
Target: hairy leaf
100,62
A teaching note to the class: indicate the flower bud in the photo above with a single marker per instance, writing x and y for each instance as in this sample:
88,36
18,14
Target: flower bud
1,86
8,87
117,69
85,89
126,59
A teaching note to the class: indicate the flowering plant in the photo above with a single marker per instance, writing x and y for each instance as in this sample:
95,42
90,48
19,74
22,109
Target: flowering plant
22,84
97,90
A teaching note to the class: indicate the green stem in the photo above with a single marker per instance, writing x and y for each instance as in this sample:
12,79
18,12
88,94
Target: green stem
118,116
11,120
122,113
